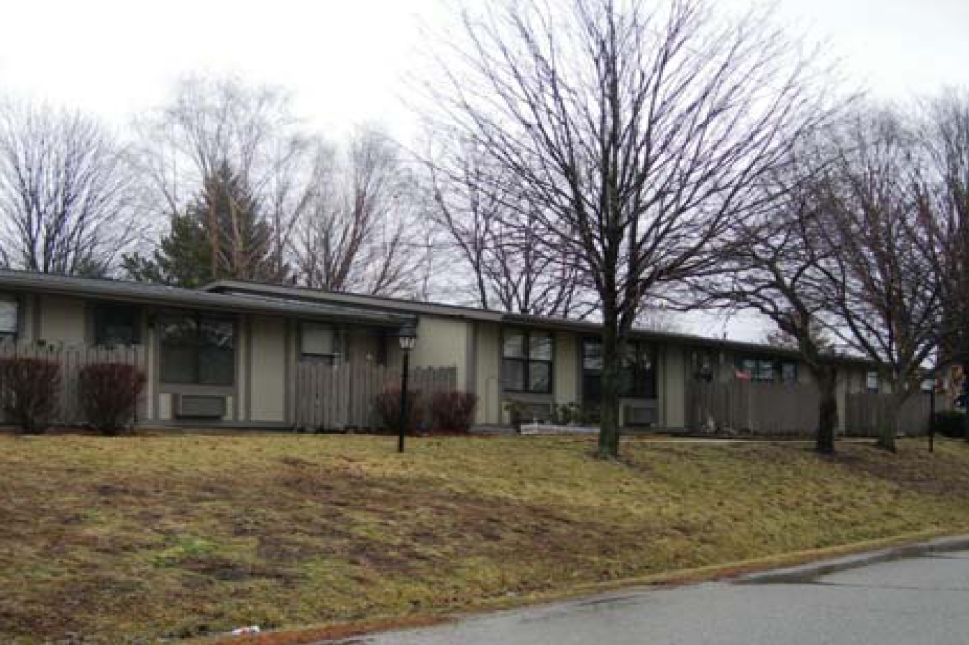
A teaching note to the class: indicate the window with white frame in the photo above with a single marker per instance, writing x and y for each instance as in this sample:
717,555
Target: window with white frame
8,317
319,341
871,381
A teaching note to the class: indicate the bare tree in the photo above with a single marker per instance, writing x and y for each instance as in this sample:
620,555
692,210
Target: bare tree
508,268
642,135
943,206
357,230
65,192
781,268
885,297
213,122
657,313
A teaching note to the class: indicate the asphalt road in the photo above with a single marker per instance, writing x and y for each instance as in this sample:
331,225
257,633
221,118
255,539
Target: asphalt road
921,600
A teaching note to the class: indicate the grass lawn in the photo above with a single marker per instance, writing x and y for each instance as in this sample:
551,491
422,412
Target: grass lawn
129,540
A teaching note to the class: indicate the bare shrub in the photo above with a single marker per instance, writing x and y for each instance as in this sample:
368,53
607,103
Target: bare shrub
109,395
28,392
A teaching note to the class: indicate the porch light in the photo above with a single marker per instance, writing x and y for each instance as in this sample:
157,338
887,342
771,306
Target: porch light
407,337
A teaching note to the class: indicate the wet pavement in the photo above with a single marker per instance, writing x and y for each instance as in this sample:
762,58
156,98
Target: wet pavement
923,599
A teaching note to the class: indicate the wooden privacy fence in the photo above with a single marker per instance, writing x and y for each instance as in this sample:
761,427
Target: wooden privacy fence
72,360
341,396
761,408
867,412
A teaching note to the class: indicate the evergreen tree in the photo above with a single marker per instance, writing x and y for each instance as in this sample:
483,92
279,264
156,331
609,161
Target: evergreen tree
220,235
183,257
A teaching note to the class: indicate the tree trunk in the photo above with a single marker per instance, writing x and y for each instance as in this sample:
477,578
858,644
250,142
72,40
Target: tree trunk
965,397
827,378
609,412
889,426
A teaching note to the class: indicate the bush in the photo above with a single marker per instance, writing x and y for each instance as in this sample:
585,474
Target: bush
564,414
387,407
28,392
950,423
453,410
516,413
109,395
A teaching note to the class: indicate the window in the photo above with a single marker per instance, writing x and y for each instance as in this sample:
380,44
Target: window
319,342
767,370
703,362
637,371
871,381
526,364
198,350
8,317
789,373
116,325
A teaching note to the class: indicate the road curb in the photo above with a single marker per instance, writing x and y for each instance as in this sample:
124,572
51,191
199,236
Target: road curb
809,572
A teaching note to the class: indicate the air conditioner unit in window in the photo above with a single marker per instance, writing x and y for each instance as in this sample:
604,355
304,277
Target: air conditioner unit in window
639,415
199,406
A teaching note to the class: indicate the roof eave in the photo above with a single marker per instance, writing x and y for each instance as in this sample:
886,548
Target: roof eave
189,299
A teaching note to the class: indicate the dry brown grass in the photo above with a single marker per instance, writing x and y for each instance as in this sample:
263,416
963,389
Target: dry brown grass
133,539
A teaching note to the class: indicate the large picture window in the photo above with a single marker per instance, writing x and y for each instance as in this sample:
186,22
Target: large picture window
197,350
526,364
637,371
8,317
116,325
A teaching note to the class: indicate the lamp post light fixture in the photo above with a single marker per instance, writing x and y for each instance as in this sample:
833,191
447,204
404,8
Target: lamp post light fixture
408,339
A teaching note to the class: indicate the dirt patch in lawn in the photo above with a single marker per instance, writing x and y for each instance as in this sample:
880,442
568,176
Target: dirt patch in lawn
133,539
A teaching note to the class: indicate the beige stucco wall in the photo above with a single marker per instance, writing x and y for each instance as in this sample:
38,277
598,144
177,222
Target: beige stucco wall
443,342
165,407
267,370
488,372
566,380
671,393
841,394
62,320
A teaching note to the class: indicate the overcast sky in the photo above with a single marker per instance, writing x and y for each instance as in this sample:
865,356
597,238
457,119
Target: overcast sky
346,60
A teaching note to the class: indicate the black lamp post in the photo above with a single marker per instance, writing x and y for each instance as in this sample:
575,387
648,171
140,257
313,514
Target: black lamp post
929,386
408,338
